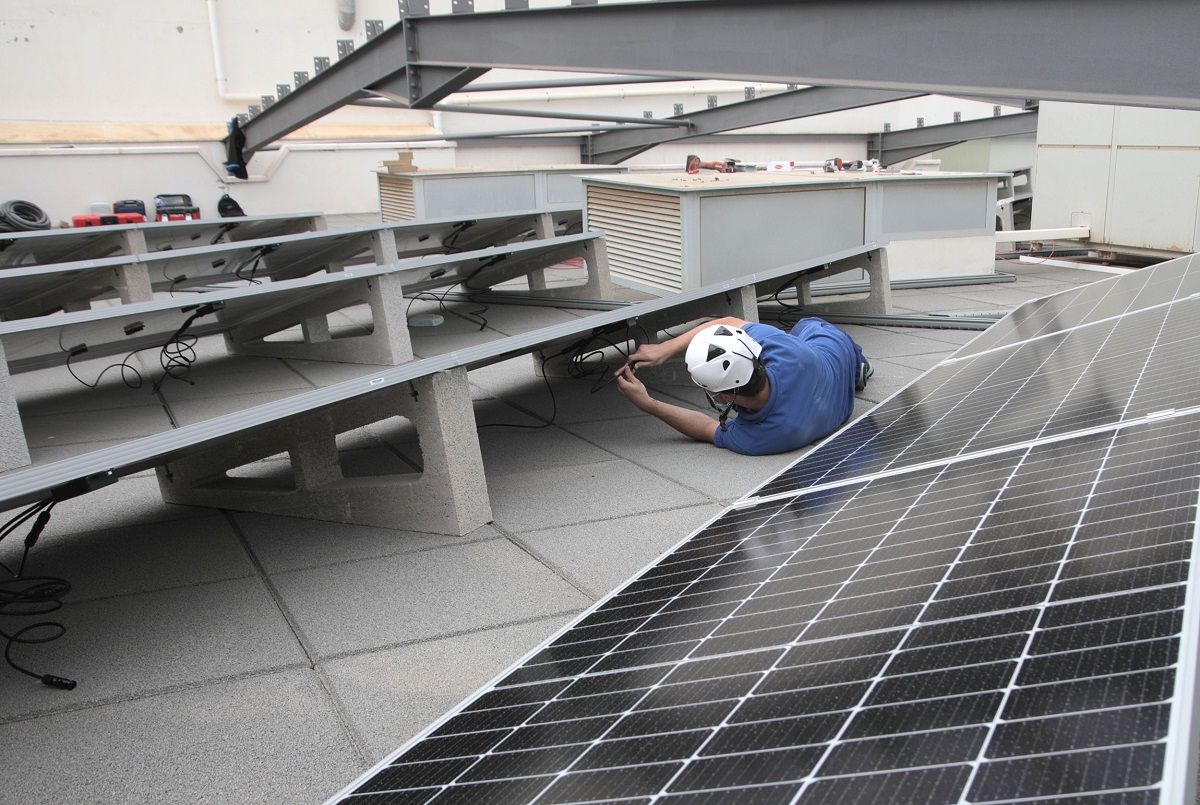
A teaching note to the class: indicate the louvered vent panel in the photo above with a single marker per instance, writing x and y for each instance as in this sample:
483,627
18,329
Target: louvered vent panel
642,233
396,198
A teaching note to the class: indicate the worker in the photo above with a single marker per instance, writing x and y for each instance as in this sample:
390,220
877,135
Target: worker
788,389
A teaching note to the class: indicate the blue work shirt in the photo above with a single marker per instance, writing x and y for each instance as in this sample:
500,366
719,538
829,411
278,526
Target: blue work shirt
812,371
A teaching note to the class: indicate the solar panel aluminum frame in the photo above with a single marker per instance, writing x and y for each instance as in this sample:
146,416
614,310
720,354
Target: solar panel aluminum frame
1182,763
29,484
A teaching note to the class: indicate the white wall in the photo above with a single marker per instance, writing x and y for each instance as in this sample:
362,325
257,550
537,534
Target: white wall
1131,173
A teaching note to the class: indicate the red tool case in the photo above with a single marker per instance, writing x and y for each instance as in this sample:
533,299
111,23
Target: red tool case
106,219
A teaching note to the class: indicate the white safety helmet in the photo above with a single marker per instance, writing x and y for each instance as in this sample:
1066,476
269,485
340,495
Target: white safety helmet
722,357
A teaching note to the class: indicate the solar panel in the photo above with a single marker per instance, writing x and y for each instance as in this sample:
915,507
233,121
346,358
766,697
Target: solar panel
60,245
908,638
979,594
1092,376
1131,292
39,289
35,343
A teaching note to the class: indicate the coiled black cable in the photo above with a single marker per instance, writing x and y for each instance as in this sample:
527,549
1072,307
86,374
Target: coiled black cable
32,595
22,216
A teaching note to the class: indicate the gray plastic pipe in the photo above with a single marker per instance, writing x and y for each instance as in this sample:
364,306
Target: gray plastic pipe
346,14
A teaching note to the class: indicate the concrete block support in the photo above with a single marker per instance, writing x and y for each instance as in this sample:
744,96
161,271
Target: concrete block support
595,257
131,281
544,228
13,450
388,341
448,497
878,299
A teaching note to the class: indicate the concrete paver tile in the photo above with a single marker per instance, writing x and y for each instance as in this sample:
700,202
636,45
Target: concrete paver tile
292,543
720,474
52,430
135,645
522,501
601,556
132,500
136,558
392,694
266,739
417,596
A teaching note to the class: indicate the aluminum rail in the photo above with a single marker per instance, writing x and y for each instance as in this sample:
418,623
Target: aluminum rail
33,483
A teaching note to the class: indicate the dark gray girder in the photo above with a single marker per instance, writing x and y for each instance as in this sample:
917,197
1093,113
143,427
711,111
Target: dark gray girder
891,147
671,122
1103,51
379,62
428,85
617,146
584,81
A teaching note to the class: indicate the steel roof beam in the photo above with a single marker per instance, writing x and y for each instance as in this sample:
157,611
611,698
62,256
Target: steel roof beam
1102,51
671,122
559,83
617,146
891,147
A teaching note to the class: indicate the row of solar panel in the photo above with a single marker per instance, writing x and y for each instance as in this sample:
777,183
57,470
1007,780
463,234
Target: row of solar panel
819,624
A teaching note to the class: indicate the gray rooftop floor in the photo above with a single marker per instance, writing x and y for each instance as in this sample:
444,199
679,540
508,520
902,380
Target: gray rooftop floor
228,657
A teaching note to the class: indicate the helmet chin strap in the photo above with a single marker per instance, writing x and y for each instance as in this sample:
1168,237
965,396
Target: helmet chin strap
722,412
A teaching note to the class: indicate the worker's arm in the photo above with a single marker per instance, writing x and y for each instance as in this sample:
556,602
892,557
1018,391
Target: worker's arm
692,424
656,354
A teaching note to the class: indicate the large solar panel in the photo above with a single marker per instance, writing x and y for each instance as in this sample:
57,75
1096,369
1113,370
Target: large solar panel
1135,291
1087,377
993,604
35,343
39,289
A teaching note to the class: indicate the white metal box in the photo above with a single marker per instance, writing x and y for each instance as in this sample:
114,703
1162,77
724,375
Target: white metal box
670,232
445,193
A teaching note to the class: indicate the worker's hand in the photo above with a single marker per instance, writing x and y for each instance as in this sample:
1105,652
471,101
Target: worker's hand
649,355
632,389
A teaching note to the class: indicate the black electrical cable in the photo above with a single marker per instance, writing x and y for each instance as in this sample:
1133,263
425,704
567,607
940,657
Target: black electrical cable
179,352
32,595
553,408
448,246
253,262
124,364
22,216
579,352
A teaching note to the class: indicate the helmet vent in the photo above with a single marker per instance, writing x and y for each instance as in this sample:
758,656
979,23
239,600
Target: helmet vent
715,352
722,331
725,364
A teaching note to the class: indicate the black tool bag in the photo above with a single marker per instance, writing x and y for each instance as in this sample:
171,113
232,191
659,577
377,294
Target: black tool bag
130,205
228,208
